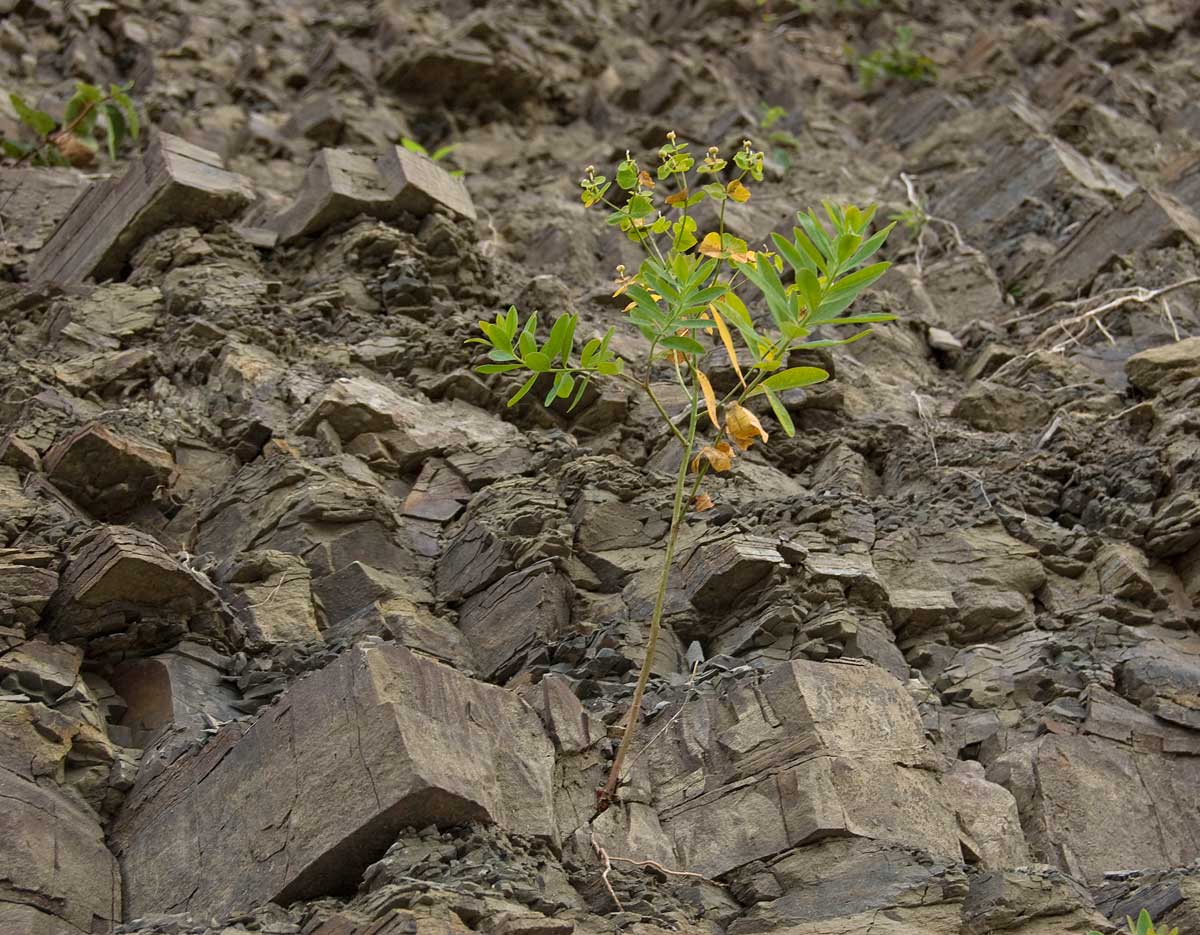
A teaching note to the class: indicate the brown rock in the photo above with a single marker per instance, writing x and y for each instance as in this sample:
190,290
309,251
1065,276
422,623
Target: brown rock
1152,370
1143,220
525,609
320,785
272,594
173,183
180,689
717,573
816,749
108,473
56,875
1074,791
991,407
340,186
122,593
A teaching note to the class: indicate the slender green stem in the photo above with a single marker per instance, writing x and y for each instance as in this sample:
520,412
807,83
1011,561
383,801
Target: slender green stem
607,795
663,412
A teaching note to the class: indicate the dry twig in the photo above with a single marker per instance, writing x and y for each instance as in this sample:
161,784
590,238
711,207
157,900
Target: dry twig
607,861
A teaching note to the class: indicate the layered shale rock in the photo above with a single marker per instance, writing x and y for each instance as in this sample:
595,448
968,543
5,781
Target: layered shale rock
301,801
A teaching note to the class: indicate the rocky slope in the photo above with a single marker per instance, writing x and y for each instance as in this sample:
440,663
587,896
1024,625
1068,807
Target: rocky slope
302,630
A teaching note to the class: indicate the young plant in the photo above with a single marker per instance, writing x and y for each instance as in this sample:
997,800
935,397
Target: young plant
783,142
437,155
71,141
1144,926
894,60
694,291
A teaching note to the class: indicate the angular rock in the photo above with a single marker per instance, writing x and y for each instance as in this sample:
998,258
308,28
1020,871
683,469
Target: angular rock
1034,900
814,750
56,875
1153,370
174,183
43,670
24,591
272,594
1072,791
439,493
373,420
357,585
523,610
340,186
108,473
991,407
321,784
182,689
122,594
1143,220
35,201
717,573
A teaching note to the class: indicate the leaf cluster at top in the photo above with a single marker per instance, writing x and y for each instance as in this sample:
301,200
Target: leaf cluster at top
688,292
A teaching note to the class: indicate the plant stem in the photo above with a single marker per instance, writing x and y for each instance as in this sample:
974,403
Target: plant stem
606,796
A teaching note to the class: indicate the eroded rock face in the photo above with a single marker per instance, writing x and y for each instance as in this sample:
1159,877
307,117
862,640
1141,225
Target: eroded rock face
815,750
928,667
298,803
56,875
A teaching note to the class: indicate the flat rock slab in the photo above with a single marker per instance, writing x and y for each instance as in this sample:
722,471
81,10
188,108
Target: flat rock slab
815,750
174,183
319,786
340,186
56,876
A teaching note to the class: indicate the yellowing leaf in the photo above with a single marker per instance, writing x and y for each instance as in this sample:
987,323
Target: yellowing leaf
743,426
711,245
710,400
727,340
719,457
703,502
737,191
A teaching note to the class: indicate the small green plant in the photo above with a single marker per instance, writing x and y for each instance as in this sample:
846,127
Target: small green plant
437,155
782,142
685,299
893,60
72,141
1144,926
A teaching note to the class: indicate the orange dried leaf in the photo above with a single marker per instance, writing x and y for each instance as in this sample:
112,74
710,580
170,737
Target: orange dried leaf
645,181
727,340
737,191
719,457
710,399
743,426
703,502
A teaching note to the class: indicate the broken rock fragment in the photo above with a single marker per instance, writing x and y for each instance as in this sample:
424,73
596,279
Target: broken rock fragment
523,610
340,186
121,594
321,784
1153,370
106,472
173,183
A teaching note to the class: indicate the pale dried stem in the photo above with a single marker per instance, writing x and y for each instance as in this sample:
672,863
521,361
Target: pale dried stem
270,597
607,861
1138,295
667,870
927,424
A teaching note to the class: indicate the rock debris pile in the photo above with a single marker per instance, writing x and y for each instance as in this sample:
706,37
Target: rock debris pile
302,630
